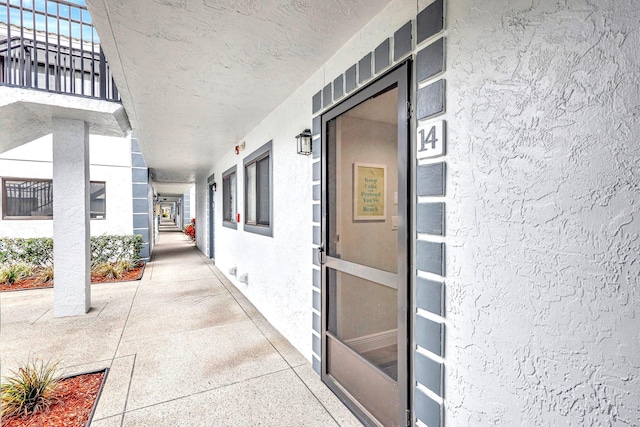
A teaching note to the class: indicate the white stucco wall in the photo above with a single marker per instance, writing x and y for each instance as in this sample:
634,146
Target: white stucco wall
542,205
110,161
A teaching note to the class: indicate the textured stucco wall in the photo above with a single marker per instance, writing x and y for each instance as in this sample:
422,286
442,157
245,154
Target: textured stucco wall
110,161
543,296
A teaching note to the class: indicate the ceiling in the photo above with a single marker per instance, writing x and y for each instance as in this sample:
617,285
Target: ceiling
197,76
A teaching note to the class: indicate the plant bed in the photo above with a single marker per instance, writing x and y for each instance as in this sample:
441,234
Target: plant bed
33,283
77,401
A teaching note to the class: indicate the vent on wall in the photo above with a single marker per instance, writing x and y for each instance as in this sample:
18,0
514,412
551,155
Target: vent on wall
233,271
244,278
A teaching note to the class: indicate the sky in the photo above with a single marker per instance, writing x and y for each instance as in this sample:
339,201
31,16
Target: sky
11,9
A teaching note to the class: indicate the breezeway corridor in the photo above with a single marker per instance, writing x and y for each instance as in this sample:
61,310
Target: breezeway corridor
183,345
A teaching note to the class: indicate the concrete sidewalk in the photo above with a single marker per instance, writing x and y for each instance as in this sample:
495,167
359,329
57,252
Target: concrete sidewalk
183,345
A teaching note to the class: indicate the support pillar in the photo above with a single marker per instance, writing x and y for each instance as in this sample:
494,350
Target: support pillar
71,227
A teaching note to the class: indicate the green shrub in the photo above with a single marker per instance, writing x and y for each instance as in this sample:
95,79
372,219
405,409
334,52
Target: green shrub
32,388
14,272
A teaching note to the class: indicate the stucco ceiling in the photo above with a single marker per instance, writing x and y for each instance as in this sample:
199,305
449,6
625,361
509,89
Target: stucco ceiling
197,76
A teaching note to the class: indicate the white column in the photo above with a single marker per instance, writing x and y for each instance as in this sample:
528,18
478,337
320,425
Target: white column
71,233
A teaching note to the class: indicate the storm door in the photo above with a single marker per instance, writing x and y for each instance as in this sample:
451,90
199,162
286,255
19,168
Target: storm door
365,261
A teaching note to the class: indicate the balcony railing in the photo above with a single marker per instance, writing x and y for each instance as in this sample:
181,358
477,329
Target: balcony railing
52,45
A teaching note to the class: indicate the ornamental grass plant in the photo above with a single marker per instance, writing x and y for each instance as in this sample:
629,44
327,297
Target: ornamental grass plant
30,389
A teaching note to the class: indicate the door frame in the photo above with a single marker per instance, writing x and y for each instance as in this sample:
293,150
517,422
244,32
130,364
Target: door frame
211,185
400,76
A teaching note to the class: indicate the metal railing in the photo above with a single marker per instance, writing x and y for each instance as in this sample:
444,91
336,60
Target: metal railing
52,45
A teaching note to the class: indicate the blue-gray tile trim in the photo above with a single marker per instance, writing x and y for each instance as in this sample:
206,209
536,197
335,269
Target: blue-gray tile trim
315,257
430,21
139,190
430,257
140,206
382,55
315,148
316,235
429,335
427,410
316,301
316,322
317,102
316,192
402,41
351,80
316,365
140,220
430,218
431,100
338,87
316,213
137,160
139,175
430,296
431,179
430,60
316,344
364,68
429,373
326,96
316,278
135,148
316,171
317,123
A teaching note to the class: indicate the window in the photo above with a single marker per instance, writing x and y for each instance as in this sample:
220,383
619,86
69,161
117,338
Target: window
98,200
33,199
258,191
229,193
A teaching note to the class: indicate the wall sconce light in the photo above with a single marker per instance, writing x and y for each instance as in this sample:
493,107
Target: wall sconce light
304,142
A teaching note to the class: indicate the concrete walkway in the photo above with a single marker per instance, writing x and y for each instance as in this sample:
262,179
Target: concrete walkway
183,345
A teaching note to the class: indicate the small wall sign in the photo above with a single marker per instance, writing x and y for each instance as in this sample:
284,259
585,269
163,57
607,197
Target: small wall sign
431,140
369,192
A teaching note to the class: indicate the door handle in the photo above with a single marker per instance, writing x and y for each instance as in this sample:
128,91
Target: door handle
321,259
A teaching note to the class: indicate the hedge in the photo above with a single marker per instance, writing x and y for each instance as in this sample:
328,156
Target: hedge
39,251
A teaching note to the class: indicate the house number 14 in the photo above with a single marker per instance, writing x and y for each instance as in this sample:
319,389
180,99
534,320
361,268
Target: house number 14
431,140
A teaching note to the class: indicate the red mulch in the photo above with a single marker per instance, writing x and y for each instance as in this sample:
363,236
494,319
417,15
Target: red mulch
31,283
77,396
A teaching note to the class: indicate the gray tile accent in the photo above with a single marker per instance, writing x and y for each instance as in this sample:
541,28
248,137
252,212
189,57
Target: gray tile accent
316,365
382,55
427,410
317,124
402,41
316,301
316,322
144,232
144,251
430,296
316,192
317,102
338,87
326,96
316,278
137,160
316,213
140,220
139,191
140,206
316,171
431,99
431,179
135,148
429,335
316,344
430,60
315,148
139,175
316,235
429,373
315,257
351,79
430,218
430,257
430,21
364,68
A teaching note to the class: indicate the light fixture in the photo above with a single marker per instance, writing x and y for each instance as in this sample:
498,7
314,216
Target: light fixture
304,142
